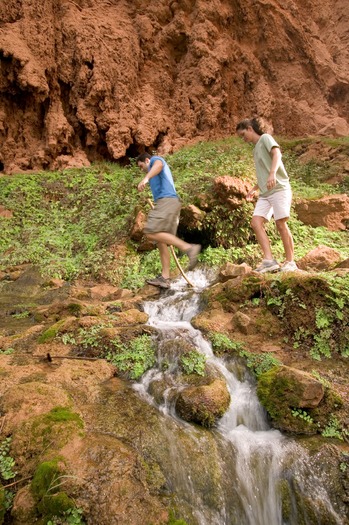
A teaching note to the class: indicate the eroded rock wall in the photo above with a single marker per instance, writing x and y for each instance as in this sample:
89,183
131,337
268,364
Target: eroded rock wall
85,79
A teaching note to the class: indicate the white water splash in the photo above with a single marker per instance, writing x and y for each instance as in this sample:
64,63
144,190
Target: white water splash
259,452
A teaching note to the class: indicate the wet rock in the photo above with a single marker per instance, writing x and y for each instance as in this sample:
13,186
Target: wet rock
130,317
204,404
214,319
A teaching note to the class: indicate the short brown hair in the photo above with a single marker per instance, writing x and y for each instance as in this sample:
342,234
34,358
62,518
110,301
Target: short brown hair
142,157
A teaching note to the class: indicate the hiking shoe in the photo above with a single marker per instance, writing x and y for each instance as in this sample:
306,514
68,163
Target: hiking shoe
192,254
289,266
160,281
267,266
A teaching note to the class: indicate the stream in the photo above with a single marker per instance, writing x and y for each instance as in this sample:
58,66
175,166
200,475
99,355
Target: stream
255,475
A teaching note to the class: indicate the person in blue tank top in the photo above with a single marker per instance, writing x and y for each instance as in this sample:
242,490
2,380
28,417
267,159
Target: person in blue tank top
162,220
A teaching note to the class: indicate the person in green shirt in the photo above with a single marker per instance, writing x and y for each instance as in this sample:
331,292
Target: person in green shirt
275,195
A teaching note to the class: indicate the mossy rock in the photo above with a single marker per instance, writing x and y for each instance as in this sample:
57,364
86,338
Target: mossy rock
233,292
45,488
46,433
45,478
204,404
304,301
52,332
55,505
285,492
283,389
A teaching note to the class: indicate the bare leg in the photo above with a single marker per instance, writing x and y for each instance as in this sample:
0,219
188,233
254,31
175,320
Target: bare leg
257,224
286,238
165,259
169,239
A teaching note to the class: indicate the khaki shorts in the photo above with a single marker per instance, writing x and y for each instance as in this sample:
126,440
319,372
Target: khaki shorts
277,204
164,217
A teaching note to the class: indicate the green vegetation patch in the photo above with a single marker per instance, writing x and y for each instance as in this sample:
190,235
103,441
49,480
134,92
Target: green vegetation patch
193,363
7,472
68,223
314,310
53,505
256,363
52,332
134,358
61,415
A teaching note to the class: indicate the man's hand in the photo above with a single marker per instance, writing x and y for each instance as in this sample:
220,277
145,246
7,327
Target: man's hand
142,184
155,170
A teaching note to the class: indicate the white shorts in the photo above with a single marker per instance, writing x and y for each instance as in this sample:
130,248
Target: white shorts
277,204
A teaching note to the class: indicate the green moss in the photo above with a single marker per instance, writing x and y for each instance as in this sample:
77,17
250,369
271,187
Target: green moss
48,433
45,487
62,414
54,505
74,309
51,332
279,393
45,478
173,521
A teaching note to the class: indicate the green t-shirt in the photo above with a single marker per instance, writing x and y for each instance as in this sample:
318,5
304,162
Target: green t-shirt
262,158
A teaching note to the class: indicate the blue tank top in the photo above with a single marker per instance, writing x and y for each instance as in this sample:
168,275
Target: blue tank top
162,185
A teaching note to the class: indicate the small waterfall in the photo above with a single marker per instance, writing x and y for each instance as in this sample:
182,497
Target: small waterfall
252,457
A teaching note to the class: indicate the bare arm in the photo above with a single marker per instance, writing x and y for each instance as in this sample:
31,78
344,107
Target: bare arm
275,163
155,170
249,196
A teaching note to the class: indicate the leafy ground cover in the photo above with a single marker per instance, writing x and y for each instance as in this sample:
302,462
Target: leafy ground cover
67,223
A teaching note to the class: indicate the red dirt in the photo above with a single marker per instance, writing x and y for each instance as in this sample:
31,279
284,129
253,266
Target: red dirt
85,80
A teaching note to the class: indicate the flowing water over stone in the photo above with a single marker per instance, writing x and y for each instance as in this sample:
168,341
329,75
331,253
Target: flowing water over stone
255,475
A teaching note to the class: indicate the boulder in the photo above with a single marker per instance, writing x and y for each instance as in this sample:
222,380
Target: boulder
136,233
231,190
243,323
331,211
284,389
230,270
5,213
320,258
192,217
104,292
203,404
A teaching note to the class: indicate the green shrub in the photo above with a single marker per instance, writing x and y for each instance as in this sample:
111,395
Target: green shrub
134,358
193,363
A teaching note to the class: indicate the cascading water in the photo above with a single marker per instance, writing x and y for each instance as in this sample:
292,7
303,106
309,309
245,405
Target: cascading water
254,460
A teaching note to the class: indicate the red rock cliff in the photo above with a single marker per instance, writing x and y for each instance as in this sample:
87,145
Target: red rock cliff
89,79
